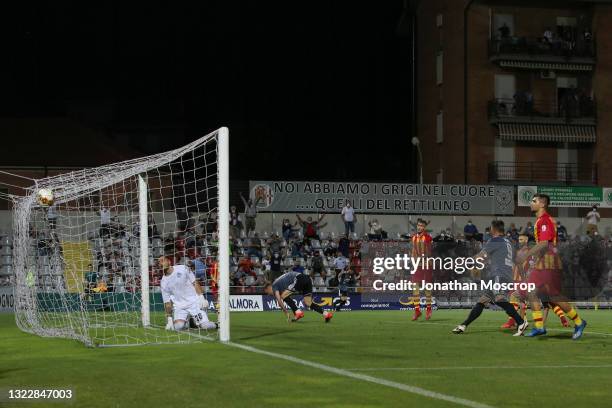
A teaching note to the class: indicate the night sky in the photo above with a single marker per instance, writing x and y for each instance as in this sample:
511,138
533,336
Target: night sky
309,90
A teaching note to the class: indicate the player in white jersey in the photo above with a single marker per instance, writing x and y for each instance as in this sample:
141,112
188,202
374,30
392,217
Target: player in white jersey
183,298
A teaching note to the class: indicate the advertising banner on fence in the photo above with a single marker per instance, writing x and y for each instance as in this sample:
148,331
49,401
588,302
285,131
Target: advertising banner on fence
568,196
391,198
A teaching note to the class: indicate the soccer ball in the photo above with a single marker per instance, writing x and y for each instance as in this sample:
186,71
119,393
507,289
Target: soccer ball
45,197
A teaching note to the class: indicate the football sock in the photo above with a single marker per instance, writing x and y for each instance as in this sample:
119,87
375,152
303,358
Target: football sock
474,313
558,311
316,308
291,303
572,314
537,319
511,311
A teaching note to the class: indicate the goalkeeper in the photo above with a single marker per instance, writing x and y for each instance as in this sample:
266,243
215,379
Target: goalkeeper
183,298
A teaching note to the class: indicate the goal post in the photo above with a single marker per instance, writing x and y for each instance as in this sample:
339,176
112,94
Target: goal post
143,220
89,266
224,237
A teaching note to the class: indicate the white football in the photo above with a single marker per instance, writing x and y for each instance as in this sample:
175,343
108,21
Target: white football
45,197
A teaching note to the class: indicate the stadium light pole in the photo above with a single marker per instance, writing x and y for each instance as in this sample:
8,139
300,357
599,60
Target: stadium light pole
417,143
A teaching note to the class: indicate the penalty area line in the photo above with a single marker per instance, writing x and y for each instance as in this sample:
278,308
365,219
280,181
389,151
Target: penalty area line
363,377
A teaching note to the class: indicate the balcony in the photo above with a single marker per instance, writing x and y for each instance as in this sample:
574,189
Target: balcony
542,173
535,53
522,118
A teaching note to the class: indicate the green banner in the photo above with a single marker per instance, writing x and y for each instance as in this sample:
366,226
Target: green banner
568,196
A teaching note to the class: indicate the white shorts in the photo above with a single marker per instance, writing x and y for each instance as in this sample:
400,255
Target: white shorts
184,313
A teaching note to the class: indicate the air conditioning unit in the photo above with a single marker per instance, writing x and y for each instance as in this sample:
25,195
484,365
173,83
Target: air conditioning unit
548,74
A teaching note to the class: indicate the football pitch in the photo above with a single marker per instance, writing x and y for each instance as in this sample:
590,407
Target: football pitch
359,359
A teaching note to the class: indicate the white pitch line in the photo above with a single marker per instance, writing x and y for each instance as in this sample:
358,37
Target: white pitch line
363,377
474,368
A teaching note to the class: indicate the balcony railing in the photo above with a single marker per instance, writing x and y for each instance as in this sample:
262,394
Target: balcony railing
540,47
574,109
536,172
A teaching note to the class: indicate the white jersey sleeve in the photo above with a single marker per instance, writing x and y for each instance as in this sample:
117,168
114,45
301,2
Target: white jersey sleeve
166,295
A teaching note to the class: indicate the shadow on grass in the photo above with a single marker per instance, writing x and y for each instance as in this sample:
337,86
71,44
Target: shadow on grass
261,335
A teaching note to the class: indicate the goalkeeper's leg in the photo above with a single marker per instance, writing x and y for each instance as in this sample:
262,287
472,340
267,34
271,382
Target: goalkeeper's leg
201,320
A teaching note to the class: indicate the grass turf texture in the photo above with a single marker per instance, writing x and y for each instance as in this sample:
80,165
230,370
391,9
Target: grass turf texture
385,344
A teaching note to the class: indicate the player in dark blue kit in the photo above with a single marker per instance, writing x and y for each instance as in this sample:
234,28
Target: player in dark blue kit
345,279
500,252
292,283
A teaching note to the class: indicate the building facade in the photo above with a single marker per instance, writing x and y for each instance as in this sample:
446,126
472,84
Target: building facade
515,92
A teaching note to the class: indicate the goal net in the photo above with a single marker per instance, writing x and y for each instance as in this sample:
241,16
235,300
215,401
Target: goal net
87,267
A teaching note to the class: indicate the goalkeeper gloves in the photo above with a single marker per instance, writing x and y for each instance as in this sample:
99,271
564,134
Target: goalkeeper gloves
170,324
203,302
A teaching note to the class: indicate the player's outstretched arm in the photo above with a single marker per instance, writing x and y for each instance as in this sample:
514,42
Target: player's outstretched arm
281,303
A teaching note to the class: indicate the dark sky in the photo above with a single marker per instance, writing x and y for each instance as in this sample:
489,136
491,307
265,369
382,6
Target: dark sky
309,90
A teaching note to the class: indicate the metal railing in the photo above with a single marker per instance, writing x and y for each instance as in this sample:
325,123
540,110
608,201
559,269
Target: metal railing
570,108
559,173
539,46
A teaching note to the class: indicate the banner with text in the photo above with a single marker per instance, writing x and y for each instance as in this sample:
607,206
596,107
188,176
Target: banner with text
568,196
391,198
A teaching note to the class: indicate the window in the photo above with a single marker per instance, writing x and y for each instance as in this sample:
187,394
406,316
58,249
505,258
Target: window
439,67
439,20
440,127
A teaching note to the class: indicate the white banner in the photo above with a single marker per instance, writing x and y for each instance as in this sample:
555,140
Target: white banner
246,303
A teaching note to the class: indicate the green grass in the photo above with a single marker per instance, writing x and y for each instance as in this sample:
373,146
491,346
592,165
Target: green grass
483,365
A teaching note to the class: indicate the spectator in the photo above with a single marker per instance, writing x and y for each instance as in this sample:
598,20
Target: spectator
548,35
376,231
254,246
250,213
561,232
235,222
331,247
318,266
470,230
340,263
592,218
288,229
91,279
153,232
297,266
297,249
210,223
311,228
275,243
504,31
529,231
514,232
487,234
105,220
344,245
275,266
199,268
348,217
245,268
